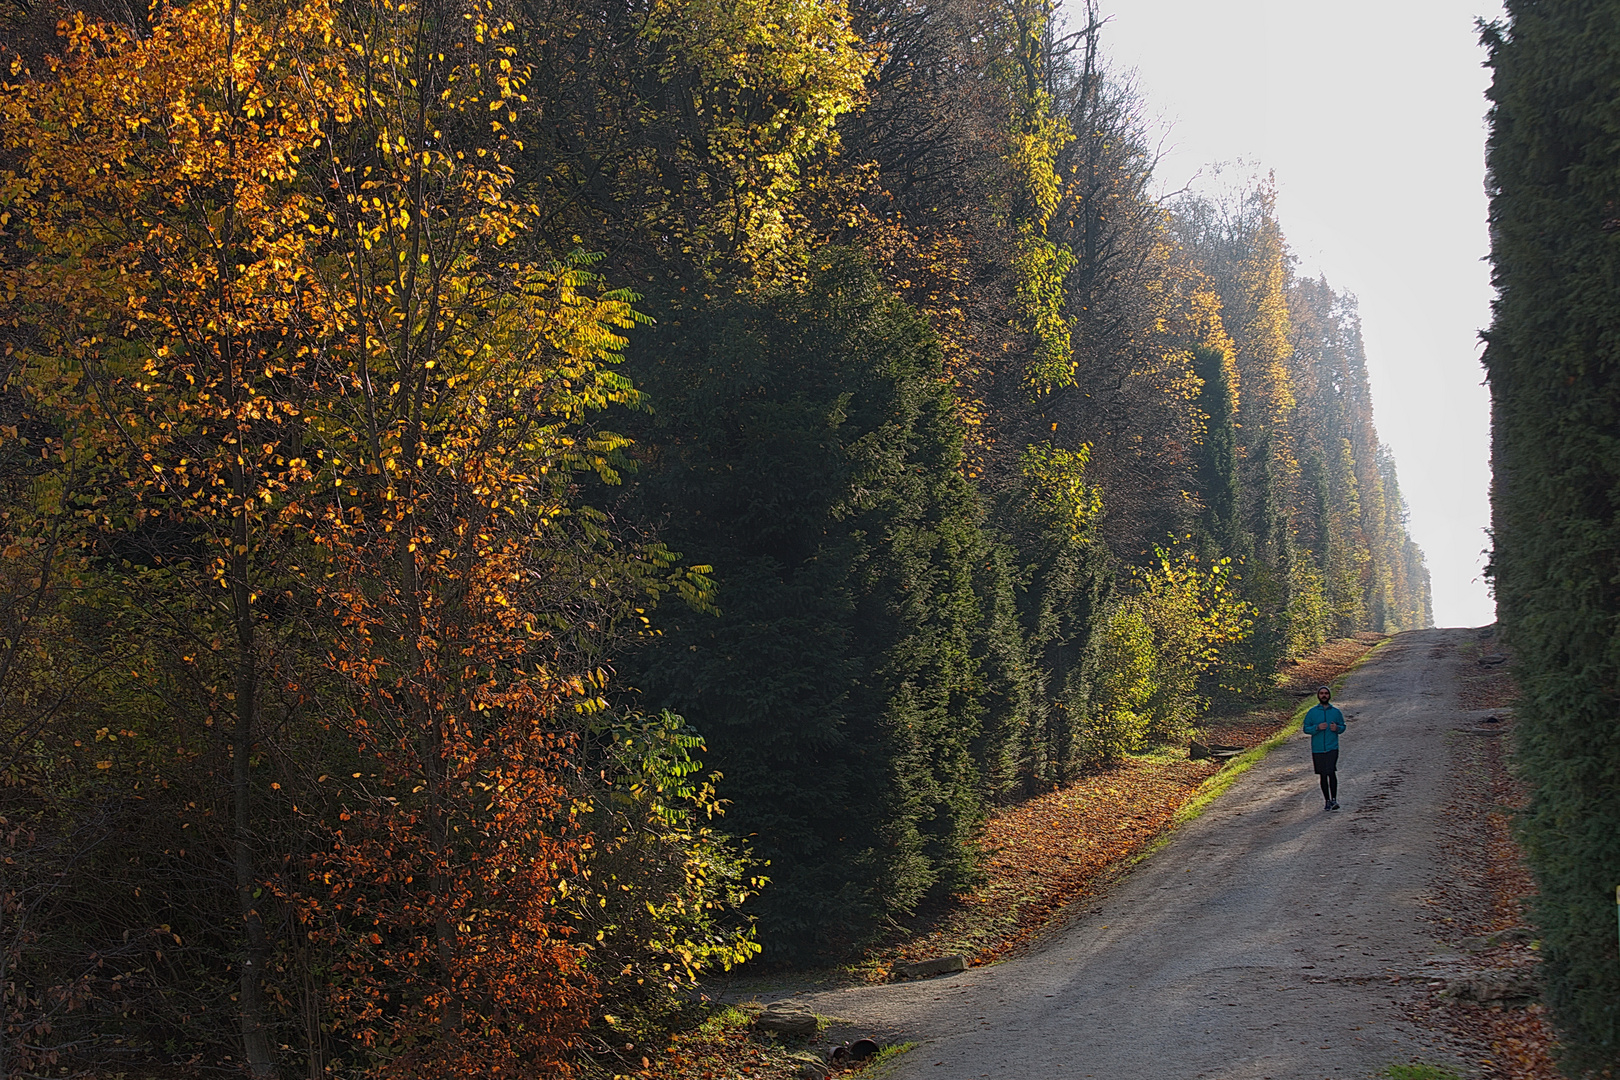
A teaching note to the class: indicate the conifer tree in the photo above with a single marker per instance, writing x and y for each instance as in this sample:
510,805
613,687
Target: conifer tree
808,451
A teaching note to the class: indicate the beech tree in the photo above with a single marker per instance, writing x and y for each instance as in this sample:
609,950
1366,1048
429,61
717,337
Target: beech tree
165,266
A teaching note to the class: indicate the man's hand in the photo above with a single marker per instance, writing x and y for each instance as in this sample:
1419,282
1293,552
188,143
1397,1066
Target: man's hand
1322,726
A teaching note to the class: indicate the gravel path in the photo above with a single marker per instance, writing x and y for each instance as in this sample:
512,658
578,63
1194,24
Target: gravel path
1264,941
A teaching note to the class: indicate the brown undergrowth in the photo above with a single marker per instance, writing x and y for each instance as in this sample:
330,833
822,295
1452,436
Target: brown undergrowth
717,1044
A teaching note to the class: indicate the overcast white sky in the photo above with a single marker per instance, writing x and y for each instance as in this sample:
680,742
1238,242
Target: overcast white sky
1372,117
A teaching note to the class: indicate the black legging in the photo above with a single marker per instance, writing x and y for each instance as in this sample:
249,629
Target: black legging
1330,785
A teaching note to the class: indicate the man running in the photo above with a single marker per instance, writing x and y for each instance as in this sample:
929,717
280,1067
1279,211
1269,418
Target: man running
1323,723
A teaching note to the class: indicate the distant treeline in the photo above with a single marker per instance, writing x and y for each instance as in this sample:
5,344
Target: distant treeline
510,506
1553,360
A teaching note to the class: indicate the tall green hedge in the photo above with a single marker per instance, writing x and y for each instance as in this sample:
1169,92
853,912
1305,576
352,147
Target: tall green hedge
1553,359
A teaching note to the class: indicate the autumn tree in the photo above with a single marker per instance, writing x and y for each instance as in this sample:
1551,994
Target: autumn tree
1181,624
468,586
164,256
681,137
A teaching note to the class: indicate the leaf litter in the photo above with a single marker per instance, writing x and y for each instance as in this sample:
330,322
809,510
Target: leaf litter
1479,896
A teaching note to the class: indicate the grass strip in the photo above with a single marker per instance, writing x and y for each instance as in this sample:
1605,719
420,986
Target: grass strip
884,1062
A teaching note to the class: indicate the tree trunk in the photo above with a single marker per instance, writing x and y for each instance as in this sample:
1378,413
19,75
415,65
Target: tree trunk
256,1045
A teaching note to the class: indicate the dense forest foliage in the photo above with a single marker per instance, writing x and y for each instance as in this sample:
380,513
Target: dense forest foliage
508,506
1553,361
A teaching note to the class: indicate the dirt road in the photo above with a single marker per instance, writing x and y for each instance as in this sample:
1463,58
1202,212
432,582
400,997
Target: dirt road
1268,939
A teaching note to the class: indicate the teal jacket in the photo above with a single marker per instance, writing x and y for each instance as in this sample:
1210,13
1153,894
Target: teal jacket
1323,741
